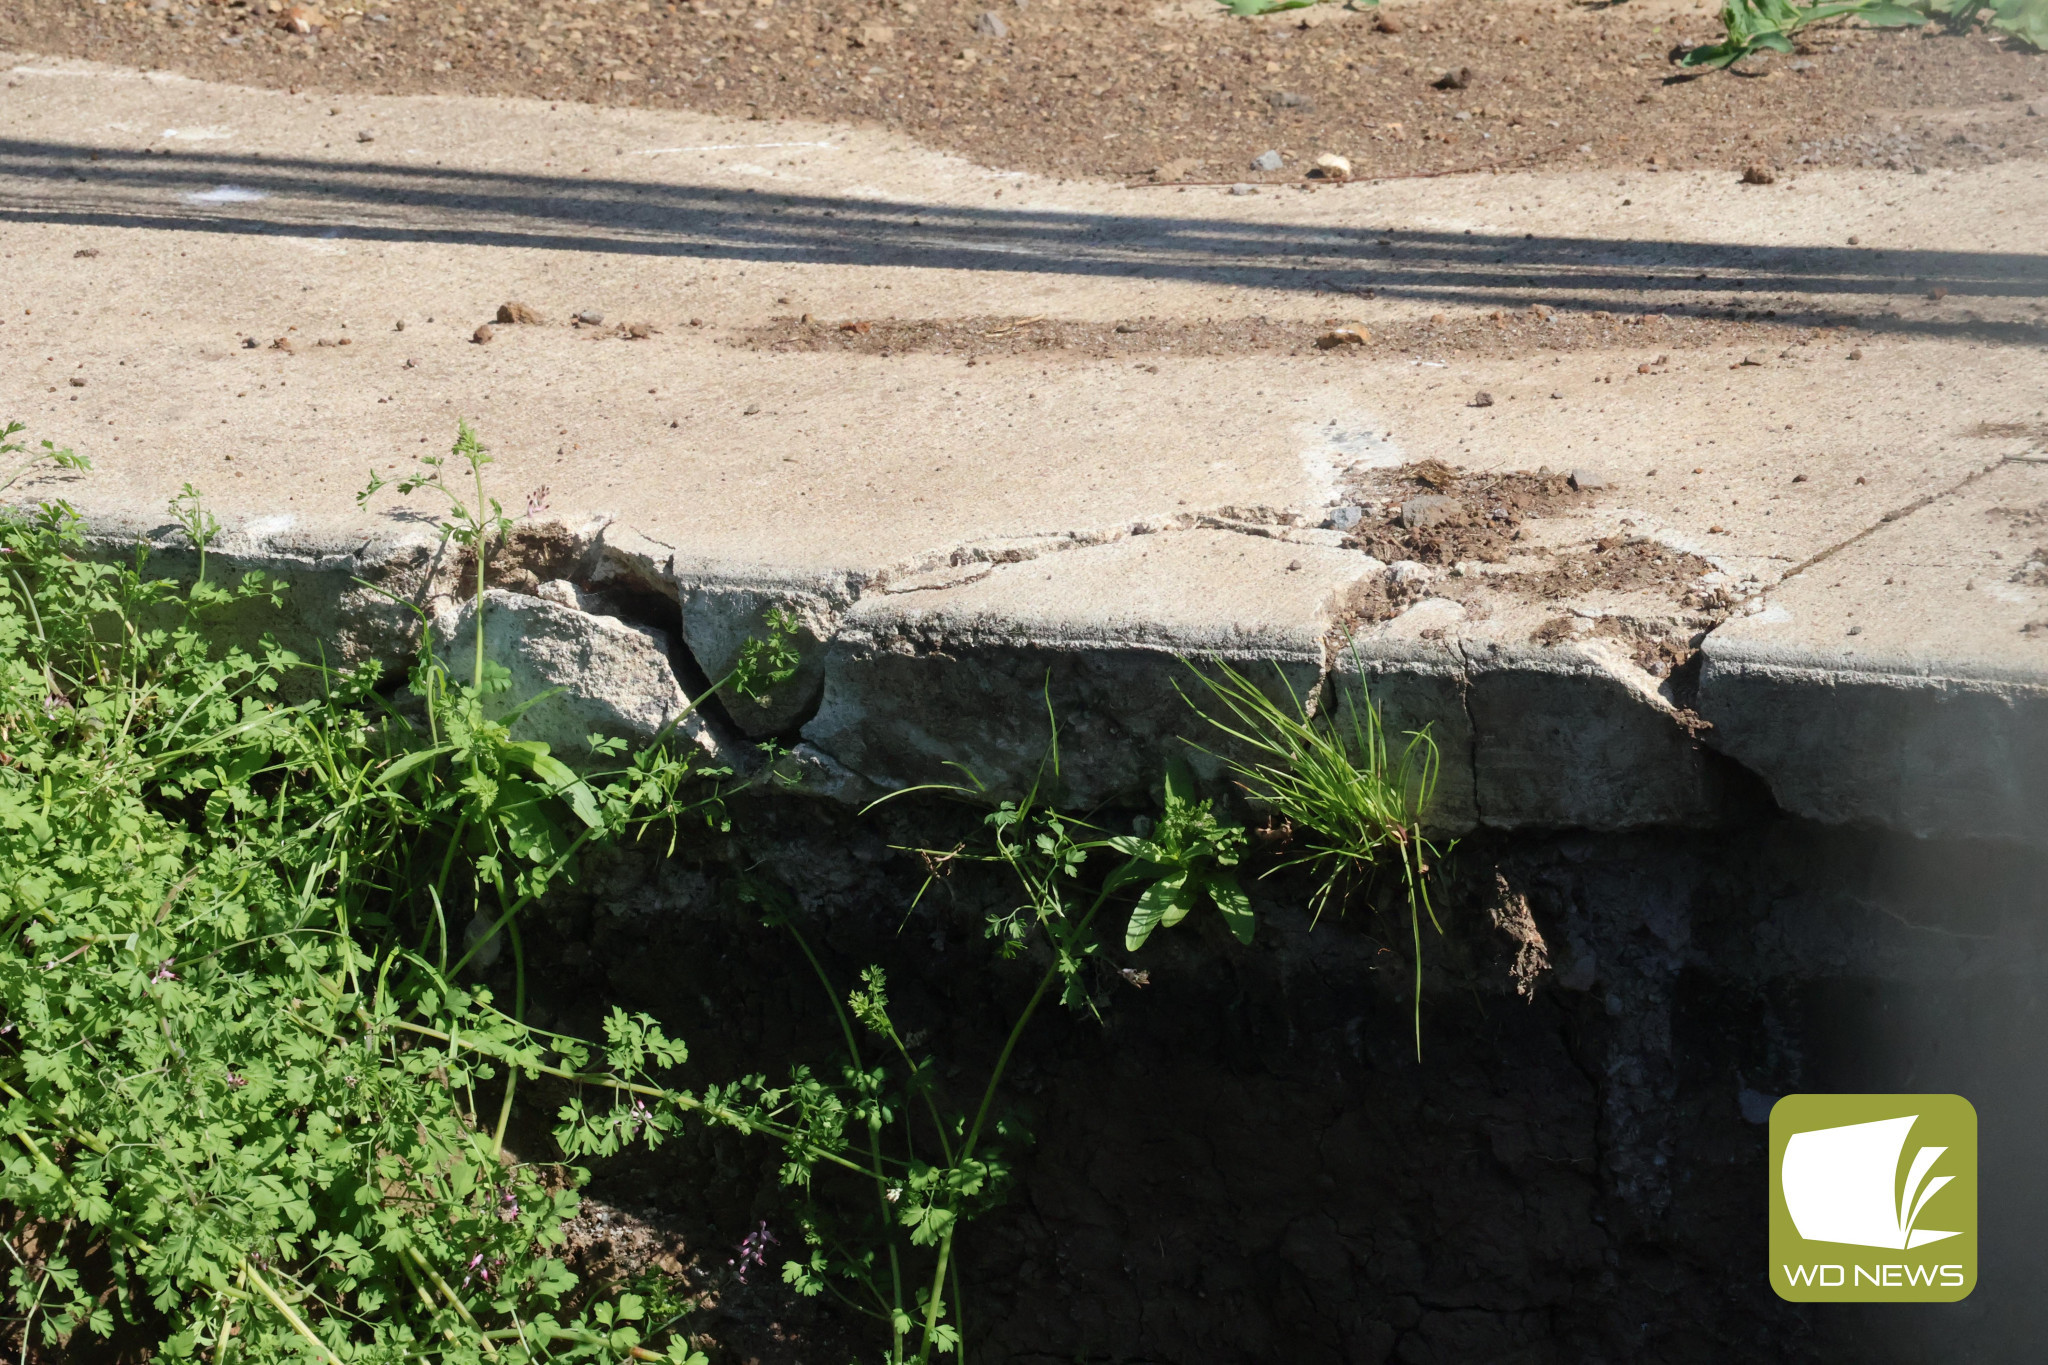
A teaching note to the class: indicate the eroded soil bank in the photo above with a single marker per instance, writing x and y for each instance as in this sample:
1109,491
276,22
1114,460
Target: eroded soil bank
1242,1159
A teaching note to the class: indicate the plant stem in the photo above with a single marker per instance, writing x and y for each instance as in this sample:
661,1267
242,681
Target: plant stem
518,1017
881,1183
298,1324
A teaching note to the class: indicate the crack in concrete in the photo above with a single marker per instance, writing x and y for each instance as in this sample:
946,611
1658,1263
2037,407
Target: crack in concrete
1900,514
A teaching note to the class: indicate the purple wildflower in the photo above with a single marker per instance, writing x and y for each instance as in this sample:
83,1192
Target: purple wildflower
753,1251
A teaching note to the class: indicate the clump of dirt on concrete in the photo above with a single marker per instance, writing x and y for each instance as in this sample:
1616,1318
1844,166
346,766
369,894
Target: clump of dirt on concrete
1478,334
2019,521
1436,514
1380,597
530,555
1614,564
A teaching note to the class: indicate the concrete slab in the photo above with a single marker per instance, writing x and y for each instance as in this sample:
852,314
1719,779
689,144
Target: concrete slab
1904,681
1047,510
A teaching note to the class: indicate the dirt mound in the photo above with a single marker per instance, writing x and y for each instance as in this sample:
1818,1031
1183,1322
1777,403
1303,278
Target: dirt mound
1615,564
1433,513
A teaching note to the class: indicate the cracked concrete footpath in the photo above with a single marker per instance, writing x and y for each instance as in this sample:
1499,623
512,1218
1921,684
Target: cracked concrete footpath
1836,516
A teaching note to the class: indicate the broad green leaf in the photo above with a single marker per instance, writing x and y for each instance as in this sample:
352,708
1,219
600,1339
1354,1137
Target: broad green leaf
1167,896
400,767
1231,899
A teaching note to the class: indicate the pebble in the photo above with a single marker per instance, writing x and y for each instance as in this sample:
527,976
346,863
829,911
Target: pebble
591,319
1344,518
301,19
365,135
1428,509
1482,399
991,25
482,334
85,253
1453,80
1856,354
1343,336
1584,479
518,313
1388,23
1759,174
77,381
1242,188
1330,166
1266,161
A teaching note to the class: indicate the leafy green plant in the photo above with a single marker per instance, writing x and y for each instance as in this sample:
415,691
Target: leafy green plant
768,660
1753,26
1355,802
1188,857
240,1063
931,1168
1250,9
45,452
2026,20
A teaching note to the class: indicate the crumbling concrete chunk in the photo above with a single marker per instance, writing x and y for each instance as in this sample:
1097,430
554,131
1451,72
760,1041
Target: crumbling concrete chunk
608,677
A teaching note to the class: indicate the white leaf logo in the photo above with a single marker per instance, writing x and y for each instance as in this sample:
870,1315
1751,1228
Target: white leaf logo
1842,1185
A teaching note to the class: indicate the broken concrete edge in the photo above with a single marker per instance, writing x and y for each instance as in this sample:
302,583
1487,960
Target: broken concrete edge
1896,743
898,688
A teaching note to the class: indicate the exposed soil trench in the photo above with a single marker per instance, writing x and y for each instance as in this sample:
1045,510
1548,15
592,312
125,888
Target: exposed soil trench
1242,1160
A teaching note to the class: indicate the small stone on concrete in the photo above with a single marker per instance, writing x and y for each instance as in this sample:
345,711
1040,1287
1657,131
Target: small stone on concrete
1242,188
1482,399
518,313
1428,509
1266,161
482,334
1584,479
1759,174
590,318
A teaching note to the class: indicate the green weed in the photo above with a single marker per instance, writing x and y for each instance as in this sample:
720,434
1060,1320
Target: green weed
1753,26
1248,9
1355,801
239,1063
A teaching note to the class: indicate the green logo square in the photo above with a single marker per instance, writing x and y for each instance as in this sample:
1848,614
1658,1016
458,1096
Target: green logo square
1873,1198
